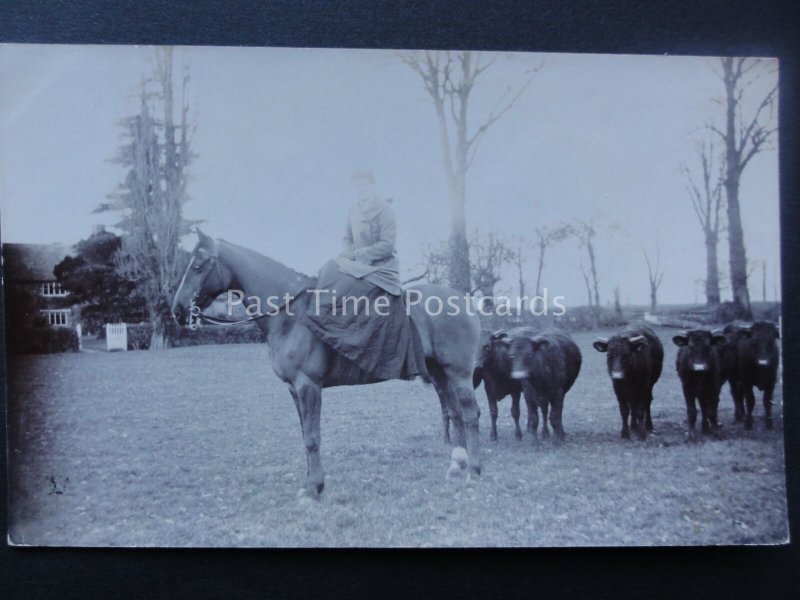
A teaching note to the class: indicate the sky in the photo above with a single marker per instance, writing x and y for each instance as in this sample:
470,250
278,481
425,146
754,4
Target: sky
279,133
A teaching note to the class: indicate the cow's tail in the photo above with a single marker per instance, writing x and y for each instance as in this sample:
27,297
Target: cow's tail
477,377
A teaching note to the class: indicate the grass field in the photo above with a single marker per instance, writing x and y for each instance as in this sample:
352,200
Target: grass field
201,447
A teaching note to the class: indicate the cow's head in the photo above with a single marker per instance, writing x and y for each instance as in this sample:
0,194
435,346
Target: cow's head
493,350
699,344
620,350
762,336
523,350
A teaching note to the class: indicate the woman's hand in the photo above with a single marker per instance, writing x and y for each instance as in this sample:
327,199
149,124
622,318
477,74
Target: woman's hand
348,254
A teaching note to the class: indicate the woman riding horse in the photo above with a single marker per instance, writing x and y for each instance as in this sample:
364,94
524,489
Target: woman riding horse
374,346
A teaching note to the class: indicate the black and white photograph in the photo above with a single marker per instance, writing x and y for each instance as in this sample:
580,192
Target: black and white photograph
323,297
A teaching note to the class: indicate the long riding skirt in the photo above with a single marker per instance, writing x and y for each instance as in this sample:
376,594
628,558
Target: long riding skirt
374,347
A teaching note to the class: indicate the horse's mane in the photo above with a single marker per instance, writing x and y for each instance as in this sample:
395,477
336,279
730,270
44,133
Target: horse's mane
261,257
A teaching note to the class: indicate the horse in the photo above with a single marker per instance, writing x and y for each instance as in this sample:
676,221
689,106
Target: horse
300,359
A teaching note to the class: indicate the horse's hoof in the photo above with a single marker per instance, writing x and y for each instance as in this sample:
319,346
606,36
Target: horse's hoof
691,435
306,496
748,424
769,423
453,471
459,456
493,436
518,434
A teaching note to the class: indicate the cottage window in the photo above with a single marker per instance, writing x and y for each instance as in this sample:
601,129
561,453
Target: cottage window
57,317
52,288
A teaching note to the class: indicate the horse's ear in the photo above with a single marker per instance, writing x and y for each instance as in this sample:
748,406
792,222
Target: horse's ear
207,243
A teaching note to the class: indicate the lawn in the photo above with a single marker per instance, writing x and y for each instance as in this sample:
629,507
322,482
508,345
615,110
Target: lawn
201,446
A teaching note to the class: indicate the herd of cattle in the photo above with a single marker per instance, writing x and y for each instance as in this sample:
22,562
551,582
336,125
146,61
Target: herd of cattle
541,366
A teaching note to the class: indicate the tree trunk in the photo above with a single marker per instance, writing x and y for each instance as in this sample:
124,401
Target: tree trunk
542,248
459,267
459,251
617,306
653,299
159,340
593,269
712,270
737,254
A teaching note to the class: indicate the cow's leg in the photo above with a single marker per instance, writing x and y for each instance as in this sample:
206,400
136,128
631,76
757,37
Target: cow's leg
691,412
469,413
514,415
493,414
713,418
750,403
624,412
648,420
556,408
541,401
637,420
533,414
767,400
309,401
738,400
705,403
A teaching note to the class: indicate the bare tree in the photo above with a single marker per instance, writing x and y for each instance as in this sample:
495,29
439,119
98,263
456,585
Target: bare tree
152,196
706,199
449,79
546,237
743,138
435,261
519,261
586,235
617,306
587,281
655,275
487,258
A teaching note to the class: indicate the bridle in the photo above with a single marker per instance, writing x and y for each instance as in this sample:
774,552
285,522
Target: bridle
196,313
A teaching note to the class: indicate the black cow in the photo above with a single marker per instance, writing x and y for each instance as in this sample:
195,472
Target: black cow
493,367
547,363
729,354
699,366
758,366
635,359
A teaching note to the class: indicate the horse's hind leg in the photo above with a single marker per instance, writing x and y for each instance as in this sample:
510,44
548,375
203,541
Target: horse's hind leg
308,397
463,400
440,385
445,414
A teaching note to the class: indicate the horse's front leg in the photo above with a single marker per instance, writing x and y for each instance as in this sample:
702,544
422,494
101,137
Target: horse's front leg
308,396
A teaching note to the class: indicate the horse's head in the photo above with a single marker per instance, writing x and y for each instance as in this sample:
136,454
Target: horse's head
205,279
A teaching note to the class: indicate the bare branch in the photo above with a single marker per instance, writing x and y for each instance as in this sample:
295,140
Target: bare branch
417,278
753,128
